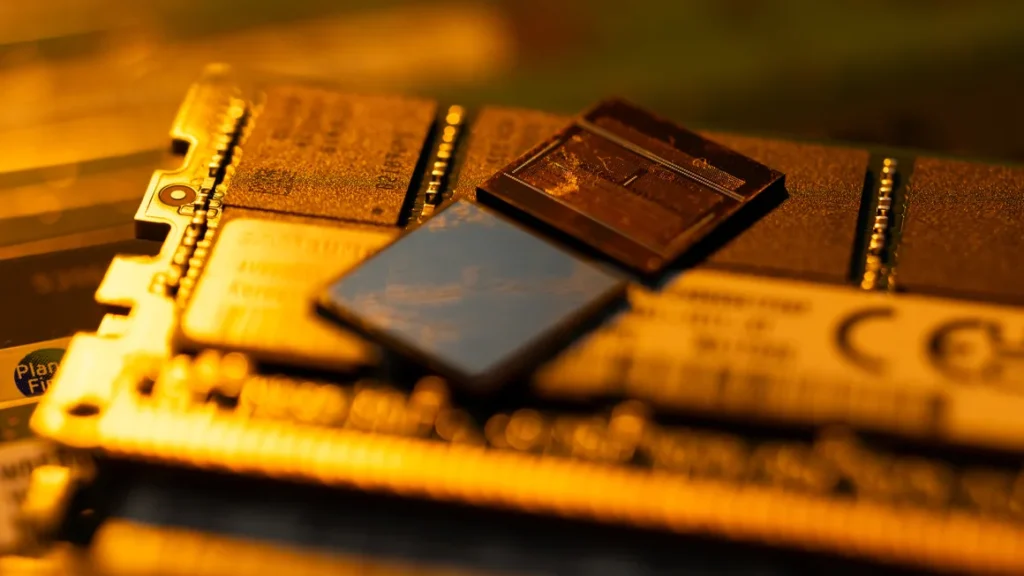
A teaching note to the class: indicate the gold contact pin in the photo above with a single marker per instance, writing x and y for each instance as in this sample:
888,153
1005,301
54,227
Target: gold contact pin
441,162
878,242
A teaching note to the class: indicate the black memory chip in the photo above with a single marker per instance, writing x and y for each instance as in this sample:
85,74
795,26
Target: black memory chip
320,153
962,234
635,187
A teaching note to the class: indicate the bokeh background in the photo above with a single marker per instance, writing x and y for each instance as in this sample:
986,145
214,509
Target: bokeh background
88,88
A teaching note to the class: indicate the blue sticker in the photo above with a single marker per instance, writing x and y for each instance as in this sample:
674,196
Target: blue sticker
33,373
469,290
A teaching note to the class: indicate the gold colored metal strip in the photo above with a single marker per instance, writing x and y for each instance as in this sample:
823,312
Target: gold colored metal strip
189,257
941,540
441,161
878,242
123,548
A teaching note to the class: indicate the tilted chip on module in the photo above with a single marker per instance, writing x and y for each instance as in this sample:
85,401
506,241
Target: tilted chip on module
631,185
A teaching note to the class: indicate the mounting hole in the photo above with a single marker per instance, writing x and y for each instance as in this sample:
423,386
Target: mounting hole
180,147
377,211
177,195
145,386
84,409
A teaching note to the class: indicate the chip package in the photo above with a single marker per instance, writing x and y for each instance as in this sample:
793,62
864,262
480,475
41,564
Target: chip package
323,153
635,187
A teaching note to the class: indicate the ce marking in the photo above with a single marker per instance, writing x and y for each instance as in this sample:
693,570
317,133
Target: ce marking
965,350
975,350
844,332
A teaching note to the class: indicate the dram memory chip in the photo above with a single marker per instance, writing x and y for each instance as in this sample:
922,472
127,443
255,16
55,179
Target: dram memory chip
811,235
962,235
316,152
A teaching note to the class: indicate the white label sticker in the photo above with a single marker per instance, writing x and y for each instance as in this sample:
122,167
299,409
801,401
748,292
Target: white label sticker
756,347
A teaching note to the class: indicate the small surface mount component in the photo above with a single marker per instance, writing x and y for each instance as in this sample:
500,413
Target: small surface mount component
497,294
339,360
633,186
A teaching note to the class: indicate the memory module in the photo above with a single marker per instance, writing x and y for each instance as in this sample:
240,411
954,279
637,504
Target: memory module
47,298
476,308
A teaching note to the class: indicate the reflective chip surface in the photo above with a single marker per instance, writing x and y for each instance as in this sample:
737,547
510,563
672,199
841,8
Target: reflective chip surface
470,293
